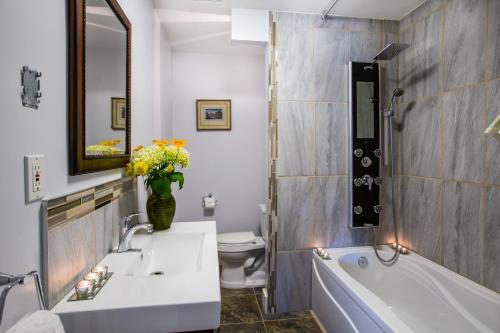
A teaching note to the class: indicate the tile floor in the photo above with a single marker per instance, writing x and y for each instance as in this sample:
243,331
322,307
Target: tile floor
241,313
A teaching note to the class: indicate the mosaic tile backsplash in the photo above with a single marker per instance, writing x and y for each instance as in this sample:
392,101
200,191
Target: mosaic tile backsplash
79,230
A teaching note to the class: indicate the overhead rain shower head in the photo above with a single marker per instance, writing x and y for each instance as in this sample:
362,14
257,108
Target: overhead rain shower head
391,51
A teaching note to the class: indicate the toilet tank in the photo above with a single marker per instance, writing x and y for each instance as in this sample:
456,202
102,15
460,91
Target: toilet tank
263,221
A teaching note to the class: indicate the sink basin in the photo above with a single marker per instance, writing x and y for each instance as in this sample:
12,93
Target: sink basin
171,285
168,254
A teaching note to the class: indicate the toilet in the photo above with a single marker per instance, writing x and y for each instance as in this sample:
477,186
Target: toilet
241,255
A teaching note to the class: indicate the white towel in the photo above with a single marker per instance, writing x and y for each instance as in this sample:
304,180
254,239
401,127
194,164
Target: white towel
38,322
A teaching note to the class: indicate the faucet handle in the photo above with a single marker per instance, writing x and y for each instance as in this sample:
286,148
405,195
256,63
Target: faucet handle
368,180
128,218
149,228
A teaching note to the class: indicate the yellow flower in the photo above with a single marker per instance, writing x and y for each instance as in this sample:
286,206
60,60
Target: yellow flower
130,169
182,157
109,143
179,143
161,143
146,160
141,168
102,148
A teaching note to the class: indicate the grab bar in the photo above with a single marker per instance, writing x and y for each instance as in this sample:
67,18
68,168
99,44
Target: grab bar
10,281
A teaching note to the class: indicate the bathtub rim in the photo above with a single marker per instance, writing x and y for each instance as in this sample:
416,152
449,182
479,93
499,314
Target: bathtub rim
369,302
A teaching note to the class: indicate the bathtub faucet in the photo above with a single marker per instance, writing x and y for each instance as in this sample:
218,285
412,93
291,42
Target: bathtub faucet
368,180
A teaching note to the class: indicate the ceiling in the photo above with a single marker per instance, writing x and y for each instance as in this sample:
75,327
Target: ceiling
205,25
202,32
378,9
103,29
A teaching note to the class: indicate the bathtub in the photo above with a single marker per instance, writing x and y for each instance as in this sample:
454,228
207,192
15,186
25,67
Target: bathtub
414,295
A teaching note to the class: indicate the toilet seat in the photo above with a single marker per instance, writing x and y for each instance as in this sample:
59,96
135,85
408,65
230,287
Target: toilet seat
239,242
245,237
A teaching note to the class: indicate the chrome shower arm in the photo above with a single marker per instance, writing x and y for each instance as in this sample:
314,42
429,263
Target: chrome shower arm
328,9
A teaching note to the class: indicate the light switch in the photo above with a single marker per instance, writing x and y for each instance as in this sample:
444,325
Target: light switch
34,177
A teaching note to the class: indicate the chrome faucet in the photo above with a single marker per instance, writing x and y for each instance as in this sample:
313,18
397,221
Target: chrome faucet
125,223
127,232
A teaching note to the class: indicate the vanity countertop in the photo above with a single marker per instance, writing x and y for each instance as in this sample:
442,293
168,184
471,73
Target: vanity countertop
185,297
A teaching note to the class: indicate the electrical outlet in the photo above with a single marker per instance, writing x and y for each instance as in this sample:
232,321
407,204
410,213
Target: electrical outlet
34,177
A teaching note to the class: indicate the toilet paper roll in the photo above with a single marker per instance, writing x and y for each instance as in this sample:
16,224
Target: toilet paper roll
209,203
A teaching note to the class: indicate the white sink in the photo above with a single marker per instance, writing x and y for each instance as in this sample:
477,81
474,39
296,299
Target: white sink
172,285
168,254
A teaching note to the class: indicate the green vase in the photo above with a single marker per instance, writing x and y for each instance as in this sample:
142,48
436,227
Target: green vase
161,211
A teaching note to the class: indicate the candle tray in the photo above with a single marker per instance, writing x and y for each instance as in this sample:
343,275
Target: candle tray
75,297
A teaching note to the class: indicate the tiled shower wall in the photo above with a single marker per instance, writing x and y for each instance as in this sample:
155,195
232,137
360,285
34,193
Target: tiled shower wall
312,88
449,171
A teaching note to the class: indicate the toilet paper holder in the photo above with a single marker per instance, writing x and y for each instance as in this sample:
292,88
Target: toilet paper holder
209,202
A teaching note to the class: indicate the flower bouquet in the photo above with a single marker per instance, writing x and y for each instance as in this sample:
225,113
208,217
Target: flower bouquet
157,164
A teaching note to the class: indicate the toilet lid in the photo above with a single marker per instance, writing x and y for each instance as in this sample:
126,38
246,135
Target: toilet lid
236,238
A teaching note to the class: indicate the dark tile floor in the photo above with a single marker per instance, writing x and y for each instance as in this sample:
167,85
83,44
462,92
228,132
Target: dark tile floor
241,313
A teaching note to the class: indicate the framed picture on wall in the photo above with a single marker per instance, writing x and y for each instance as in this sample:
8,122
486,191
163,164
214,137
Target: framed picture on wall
118,113
213,115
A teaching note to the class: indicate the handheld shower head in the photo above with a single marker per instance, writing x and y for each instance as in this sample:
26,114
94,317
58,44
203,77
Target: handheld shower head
398,92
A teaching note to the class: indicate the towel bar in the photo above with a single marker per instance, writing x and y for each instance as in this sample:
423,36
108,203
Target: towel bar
10,281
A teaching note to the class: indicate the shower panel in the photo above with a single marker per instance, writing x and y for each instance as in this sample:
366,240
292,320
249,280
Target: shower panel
364,145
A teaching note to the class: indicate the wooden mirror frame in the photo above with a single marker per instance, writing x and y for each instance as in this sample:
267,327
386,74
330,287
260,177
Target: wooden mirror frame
79,163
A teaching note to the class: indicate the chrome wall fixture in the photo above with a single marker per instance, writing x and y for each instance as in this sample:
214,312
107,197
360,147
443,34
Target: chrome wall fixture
10,281
30,83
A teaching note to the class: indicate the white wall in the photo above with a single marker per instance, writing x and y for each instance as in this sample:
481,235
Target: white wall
166,88
104,78
33,33
163,82
230,164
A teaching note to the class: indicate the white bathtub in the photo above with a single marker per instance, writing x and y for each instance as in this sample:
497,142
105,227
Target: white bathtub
414,295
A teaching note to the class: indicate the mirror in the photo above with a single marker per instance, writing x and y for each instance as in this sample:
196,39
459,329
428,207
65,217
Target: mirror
365,111
99,86
105,80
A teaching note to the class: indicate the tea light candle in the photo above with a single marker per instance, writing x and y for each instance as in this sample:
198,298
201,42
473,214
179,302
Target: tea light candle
93,277
84,287
100,269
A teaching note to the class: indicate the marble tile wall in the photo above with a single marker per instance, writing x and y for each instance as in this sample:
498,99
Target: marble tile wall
294,284
312,139
296,137
449,179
